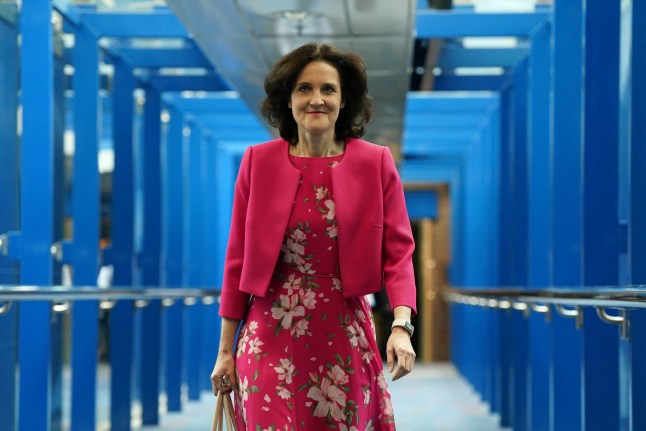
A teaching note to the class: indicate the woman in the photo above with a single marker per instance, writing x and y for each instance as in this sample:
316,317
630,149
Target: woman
319,221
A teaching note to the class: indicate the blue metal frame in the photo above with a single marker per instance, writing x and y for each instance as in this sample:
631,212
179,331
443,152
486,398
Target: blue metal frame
600,208
526,163
57,324
173,247
85,212
188,56
160,22
534,175
566,379
456,140
193,257
9,212
456,56
211,322
149,256
474,145
637,148
539,270
636,390
121,252
37,209
421,204
462,22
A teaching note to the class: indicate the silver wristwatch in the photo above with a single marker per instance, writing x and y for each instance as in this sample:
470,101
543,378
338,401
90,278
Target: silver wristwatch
403,323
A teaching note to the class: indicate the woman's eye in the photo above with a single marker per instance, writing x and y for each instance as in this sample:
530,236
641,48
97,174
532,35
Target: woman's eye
303,88
328,89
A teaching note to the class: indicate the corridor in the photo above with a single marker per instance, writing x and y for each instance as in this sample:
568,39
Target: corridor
433,398
516,128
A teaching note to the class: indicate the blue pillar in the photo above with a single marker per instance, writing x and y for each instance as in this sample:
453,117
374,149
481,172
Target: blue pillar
193,254
638,145
637,215
600,209
173,231
567,212
540,222
58,322
85,212
210,323
149,263
122,247
9,213
517,246
624,197
37,178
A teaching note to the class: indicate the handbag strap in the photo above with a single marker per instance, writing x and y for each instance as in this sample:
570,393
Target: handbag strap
228,413
217,415
224,413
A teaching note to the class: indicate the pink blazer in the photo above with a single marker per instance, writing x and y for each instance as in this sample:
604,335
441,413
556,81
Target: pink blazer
375,238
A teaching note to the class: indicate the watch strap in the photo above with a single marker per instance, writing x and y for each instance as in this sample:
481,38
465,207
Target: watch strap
403,323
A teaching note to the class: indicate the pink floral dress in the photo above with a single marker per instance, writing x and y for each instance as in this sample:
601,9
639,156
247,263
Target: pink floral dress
306,357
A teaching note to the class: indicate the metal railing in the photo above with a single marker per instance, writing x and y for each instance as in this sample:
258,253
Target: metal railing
566,302
62,296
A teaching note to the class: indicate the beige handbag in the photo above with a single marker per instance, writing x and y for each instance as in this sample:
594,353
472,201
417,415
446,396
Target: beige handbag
224,413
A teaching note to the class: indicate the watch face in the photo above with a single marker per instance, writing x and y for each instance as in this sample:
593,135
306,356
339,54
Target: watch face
409,327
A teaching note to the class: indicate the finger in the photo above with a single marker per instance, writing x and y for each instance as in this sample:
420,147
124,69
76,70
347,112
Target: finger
403,366
390,359
410,362
399,372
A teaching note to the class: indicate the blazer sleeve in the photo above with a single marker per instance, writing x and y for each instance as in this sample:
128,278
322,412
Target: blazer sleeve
398,243
233,302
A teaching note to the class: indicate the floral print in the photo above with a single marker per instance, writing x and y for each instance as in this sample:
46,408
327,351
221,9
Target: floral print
306,356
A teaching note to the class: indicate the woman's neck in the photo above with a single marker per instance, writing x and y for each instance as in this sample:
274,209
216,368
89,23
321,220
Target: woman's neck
317,146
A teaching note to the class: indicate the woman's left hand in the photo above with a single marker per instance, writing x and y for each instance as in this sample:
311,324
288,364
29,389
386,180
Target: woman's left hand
399,348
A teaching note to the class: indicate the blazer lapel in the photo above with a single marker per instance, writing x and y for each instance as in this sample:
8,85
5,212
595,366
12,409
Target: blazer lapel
274,185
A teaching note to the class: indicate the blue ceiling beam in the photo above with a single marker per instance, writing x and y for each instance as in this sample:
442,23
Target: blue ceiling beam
175,83
439,120
160,22
453,56
422,101
464,22
154,58
228,102
448,82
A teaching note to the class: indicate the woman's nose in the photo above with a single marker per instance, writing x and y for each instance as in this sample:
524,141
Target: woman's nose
317,99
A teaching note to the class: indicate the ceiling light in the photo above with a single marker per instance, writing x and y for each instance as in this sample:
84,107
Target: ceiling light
297,15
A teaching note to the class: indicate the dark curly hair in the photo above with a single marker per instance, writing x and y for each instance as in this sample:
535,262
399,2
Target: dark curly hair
281,79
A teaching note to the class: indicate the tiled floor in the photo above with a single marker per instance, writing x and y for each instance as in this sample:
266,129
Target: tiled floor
433,398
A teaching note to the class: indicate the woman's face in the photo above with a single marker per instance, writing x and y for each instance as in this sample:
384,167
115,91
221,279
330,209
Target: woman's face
316,99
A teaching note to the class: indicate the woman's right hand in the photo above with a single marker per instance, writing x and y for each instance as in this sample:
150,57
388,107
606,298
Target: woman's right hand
224,366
